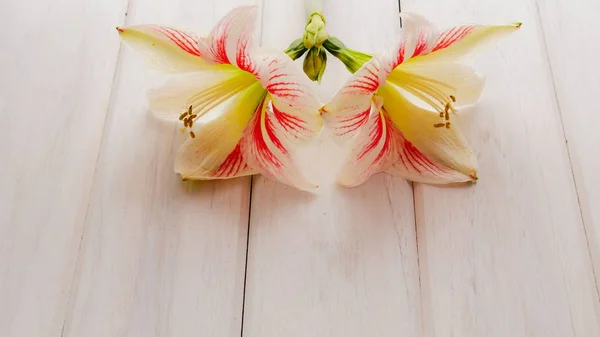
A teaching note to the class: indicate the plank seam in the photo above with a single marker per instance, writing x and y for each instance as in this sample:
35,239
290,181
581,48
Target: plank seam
262,20
246,264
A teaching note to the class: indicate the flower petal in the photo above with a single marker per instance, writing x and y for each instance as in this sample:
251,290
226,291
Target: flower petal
170,49
266,148
425,153
294,98
350,107
202,90
373,149
448,79
421,41
216,150
452,43
230,42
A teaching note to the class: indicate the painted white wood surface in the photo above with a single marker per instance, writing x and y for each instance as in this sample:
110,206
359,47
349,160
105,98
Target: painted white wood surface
507,256
57,62
572,33
160,257
342,263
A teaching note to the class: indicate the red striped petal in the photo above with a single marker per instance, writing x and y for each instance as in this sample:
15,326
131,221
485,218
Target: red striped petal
230,42
295,103
266,147
168,48
451,36
188,42
350,108
372,150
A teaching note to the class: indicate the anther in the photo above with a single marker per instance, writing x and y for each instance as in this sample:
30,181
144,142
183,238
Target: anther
192,134
448,125
439,125
453,98
447,115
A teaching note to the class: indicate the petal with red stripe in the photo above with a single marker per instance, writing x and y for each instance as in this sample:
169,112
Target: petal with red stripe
373,148
422,42
266,148
230,42
452,43
294,97
170,49
426,153
350,108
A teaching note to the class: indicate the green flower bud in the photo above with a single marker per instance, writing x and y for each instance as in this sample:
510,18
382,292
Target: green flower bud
314,32
296,49
352,59
315,63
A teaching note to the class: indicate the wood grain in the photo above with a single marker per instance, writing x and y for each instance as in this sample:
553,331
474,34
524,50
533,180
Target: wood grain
160,257
507,256
571,31
57,63
343,262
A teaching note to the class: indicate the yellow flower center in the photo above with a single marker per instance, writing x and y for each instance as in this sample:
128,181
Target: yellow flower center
427,90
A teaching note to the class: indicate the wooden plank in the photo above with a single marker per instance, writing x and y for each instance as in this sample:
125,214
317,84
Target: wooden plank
507,256
343,262
570,30
160,257
57,63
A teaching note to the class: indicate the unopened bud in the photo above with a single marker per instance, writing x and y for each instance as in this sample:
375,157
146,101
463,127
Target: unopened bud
296,49
315,63
314,32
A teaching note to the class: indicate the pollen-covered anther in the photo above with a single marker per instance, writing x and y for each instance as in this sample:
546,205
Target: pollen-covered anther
446,114
188,120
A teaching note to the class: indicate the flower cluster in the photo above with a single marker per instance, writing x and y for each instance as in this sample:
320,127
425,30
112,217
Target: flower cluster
395,111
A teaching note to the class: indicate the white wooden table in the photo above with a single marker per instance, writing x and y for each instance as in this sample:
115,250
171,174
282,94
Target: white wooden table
98,236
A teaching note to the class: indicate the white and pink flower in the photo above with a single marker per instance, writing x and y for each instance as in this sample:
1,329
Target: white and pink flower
376,108
267,104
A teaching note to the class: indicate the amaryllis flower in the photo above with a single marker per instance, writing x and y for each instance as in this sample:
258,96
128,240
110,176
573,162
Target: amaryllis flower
266,104
397,107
